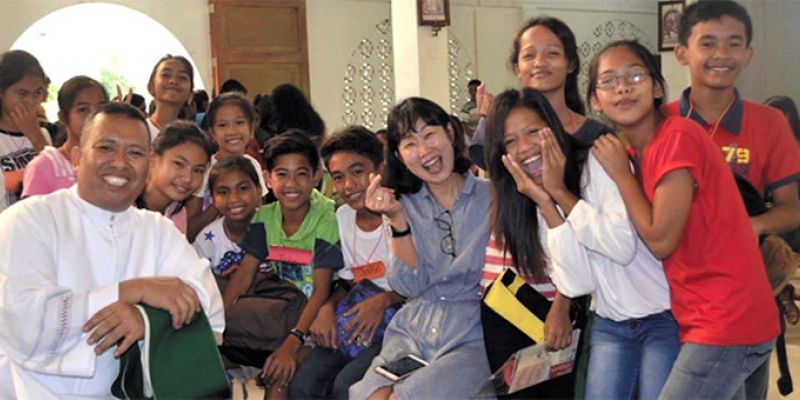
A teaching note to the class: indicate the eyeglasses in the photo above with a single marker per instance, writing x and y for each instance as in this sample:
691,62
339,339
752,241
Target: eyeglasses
448,243
632,77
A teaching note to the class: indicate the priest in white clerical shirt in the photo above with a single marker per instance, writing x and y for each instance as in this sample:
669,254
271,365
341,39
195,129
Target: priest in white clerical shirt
73,263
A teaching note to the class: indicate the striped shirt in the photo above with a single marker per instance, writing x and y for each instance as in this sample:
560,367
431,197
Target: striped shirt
498,260
47,172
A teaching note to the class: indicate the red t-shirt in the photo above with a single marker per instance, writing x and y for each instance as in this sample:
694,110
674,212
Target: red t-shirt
763,151
718,285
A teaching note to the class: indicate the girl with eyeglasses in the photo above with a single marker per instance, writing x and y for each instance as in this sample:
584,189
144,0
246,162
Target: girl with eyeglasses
684,203
544,181
437,213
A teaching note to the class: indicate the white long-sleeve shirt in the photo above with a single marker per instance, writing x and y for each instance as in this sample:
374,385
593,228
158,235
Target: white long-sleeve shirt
598,251
61,261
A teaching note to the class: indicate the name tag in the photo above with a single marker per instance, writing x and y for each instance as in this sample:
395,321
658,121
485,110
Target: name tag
290,255
371,271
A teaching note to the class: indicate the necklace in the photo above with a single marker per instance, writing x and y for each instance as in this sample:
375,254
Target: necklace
355,245
153,121
719,120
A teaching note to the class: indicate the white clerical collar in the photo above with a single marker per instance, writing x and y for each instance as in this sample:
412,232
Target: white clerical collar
99,216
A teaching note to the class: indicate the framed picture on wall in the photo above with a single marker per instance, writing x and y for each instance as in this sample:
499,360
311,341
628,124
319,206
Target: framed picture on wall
669,15
433,12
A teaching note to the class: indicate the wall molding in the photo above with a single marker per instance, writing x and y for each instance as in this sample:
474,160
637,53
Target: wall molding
598,10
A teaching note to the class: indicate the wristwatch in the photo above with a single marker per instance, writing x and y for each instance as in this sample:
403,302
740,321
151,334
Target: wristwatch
397,234
299,335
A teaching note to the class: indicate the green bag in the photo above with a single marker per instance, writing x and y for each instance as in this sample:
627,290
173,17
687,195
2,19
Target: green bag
171,364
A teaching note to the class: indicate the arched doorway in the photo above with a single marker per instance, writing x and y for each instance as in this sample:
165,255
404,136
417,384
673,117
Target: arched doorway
111,43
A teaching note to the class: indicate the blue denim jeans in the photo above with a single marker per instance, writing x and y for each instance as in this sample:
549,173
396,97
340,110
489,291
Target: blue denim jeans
631,354
325,373
714,372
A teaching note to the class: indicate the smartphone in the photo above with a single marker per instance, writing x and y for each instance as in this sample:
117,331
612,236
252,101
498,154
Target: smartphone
400,369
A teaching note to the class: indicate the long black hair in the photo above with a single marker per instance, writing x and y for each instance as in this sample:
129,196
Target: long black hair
229,98
183,60
16,65
294,111
514,221
179,132
70,90
567,38
400,123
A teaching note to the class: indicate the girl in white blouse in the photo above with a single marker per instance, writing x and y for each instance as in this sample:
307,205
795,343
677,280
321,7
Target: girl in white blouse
557,210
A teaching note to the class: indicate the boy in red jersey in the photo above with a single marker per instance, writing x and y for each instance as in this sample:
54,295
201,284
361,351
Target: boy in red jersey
755,140
714,42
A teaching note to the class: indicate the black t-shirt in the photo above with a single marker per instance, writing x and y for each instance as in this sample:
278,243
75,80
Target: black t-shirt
591,130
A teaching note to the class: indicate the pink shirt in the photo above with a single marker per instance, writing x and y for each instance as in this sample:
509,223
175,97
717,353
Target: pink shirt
179,218
47,172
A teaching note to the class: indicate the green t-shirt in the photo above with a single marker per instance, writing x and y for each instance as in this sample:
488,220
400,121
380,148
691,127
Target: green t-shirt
314,245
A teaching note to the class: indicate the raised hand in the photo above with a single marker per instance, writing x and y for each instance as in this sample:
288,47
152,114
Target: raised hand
610,152
23,117
113,322
381,199
483,100
525,184
553,163
127,99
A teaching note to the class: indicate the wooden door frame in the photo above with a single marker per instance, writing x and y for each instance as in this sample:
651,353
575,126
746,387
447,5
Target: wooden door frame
215,32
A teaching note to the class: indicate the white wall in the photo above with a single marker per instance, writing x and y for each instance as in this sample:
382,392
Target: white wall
584,16
485,28
334,29
486,31
187,19
776,54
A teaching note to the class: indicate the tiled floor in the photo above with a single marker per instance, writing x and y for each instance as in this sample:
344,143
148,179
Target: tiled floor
253,392
792,349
